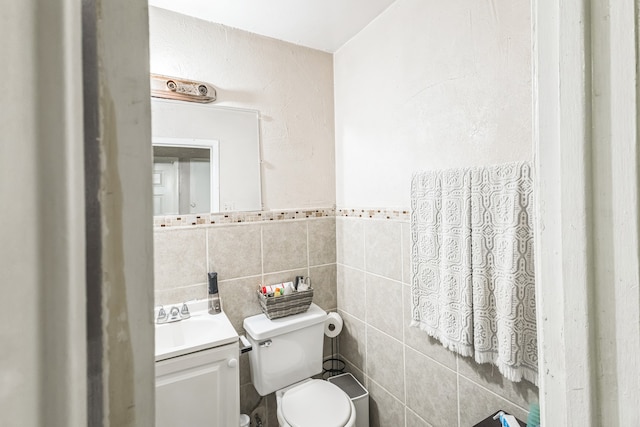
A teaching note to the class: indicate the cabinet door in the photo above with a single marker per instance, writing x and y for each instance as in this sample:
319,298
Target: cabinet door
199,389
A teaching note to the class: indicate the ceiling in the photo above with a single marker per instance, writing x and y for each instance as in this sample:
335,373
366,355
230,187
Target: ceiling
319,24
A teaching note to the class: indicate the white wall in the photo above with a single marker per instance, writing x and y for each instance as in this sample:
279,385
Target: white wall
292,87
431,84
44,351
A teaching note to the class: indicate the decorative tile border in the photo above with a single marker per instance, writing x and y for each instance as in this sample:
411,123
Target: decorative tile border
239,217
375,213
289,214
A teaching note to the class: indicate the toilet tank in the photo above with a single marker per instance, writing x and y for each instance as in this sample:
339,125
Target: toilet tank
285,350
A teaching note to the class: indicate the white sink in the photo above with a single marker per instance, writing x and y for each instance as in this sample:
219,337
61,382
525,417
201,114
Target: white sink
200,332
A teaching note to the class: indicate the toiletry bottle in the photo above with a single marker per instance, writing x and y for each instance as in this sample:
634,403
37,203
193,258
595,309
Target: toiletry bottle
506,420
214,298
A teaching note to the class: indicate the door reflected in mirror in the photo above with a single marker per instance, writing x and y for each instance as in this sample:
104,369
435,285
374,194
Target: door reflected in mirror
185,176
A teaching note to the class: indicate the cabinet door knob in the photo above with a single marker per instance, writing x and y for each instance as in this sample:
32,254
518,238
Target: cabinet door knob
232,363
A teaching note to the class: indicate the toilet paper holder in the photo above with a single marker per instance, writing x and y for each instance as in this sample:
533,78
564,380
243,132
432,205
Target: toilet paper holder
334,365
333,325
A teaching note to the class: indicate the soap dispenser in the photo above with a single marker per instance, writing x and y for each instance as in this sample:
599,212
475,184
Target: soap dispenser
214,298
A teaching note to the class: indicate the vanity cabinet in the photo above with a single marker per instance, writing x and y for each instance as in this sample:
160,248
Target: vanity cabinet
200,389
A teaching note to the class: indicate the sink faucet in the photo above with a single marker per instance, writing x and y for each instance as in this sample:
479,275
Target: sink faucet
175,314
214,298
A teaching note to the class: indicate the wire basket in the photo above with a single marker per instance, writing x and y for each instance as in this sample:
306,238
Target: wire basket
285,305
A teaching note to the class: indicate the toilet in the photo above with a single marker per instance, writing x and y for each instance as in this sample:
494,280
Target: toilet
286,353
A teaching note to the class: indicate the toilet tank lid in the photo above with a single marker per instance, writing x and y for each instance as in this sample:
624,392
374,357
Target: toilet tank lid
259,327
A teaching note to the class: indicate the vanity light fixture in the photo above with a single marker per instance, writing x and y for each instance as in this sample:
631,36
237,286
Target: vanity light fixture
181,89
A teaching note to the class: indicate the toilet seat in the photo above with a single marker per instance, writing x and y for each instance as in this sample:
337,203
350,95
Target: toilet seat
315,403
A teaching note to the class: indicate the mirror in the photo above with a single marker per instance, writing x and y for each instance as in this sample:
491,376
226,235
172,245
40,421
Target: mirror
206,158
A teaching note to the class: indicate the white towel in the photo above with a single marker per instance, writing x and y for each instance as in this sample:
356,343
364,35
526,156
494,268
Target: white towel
441,257
504,314
472,264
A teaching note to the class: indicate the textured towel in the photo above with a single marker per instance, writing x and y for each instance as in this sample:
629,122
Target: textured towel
491,313
442,298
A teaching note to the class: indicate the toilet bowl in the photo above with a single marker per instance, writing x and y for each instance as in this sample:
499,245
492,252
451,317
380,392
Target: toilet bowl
314,403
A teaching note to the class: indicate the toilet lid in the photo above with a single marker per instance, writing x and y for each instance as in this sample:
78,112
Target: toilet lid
316,403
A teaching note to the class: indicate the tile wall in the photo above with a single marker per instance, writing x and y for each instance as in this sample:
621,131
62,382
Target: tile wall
244,255
359,265
413,381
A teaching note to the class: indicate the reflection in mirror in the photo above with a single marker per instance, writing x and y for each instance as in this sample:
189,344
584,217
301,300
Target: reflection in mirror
185,176
231,134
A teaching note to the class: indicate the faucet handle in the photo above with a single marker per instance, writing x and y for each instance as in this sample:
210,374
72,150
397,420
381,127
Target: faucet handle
184,311
162,315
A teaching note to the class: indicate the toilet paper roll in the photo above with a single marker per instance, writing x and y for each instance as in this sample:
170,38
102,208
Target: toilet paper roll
333,325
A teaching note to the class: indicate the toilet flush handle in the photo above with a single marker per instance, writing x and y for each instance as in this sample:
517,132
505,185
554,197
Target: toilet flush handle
266,343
